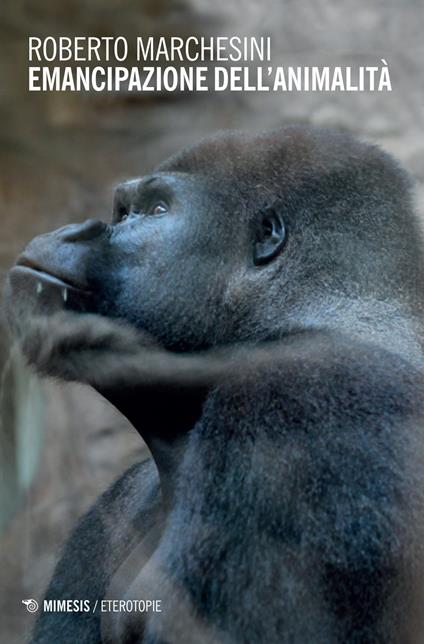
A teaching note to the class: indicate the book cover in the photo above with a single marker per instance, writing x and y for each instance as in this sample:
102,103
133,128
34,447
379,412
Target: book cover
211,332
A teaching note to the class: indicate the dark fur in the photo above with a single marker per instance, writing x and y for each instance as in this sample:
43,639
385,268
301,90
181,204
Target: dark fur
282,400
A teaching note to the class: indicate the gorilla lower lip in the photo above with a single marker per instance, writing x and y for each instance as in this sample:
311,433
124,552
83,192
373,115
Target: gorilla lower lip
43,278
46,293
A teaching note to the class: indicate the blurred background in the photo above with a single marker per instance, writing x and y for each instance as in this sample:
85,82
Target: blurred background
62,154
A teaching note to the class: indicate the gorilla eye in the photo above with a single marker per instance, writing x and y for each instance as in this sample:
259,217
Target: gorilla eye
158,209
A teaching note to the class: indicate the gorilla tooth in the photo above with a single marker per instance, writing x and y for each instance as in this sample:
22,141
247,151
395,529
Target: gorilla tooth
39,288
65,294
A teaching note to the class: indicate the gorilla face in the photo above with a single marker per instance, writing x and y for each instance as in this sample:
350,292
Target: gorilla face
170,262
163,245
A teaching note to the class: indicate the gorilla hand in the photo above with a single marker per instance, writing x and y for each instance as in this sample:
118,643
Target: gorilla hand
82,348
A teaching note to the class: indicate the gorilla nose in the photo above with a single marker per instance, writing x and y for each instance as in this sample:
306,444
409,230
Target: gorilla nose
88,230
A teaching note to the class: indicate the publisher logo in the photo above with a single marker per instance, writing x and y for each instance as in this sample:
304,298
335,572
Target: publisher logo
31,605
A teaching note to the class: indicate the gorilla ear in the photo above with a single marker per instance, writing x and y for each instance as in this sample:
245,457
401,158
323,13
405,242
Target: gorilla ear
269,237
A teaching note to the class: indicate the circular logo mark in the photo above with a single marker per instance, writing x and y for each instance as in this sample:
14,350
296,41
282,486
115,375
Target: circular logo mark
31,605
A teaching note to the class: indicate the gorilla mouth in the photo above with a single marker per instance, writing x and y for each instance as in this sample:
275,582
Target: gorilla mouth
47,291
28,268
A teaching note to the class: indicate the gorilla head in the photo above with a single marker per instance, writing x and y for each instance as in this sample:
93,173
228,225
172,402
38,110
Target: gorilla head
239,238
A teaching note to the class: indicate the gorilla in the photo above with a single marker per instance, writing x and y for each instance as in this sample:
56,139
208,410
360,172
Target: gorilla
254,308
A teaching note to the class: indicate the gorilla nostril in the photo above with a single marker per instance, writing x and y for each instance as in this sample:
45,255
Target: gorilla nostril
88,230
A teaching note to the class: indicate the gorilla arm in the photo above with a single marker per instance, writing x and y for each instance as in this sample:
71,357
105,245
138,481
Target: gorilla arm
125,517
112,355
